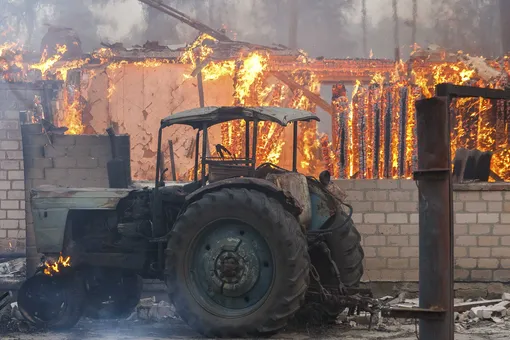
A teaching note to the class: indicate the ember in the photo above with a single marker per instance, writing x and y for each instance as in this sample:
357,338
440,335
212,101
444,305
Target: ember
52,267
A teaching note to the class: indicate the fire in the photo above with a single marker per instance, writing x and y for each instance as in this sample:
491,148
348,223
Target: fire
51,267
45,64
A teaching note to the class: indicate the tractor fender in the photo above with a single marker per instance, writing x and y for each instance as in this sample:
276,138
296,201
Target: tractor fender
262,185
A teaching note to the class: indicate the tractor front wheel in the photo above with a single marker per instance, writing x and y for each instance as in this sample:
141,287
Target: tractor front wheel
54,302
237,264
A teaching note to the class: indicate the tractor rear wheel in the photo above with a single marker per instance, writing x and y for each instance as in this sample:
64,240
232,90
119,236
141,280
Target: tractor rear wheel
237,264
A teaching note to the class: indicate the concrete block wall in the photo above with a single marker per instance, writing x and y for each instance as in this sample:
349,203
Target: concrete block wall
386,213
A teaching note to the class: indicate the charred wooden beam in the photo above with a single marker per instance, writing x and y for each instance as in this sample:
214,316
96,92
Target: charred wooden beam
162,7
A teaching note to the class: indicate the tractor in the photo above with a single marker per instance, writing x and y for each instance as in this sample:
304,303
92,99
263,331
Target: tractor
242,247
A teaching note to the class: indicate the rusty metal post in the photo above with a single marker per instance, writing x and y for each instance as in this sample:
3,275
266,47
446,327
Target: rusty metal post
435,220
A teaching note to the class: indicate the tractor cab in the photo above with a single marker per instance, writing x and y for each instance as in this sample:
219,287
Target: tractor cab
224,164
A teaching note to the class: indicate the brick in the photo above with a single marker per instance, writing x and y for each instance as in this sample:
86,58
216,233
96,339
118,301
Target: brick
387,252
358,206
481,275
353,195
480,252
411,275
15,175
65,140
460,274
392,275
55,174
376,195
16,234
22,205
9,204
16,195
407,206
42,163
505,218
14,135
389,229
3,194
409,229
18,185
8,224
53,151
465,241
398,218
479,229
3,233
460,229
100,152
356,217
505,240
408,184
505,263
3,174
414,218
460,251
465,263
386,184
414,263
488,218
488,241
33,151
399,196
465,218
370,251
367,229
16,214
9,145
9,124
64,162
488,263
492,195
100,140
5,185
475,206
375,263
17,155
467,196
372,275
384,206
10,165
398,263
401,241
502,275
374,218
414,241
506,206
501,229
458,206
495,206
365,184
502,252
409,252
374,240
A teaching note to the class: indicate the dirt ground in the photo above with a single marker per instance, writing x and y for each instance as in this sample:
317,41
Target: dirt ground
175,329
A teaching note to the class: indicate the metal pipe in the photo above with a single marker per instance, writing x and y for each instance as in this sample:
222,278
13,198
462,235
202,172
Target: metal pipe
172,160
387,133
204,150
200,89
158,159
435,216
294,146
254,143
402,138
197,145
247,139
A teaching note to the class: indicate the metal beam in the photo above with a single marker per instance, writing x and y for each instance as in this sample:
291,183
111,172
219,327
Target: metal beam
435,217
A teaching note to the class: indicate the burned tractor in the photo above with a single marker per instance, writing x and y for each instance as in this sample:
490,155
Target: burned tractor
241,247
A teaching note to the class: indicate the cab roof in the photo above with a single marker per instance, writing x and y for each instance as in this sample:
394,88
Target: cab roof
219,114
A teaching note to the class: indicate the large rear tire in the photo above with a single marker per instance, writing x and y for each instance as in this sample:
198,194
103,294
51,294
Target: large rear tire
237,264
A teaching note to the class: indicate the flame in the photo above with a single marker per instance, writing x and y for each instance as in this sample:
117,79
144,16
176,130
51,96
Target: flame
51,268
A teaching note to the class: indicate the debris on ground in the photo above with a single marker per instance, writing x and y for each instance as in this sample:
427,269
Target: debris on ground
150,310
15,267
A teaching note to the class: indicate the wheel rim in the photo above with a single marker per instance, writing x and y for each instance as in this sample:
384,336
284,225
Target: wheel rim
43,299
229,268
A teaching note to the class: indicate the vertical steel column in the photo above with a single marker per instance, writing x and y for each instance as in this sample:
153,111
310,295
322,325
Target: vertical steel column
435,220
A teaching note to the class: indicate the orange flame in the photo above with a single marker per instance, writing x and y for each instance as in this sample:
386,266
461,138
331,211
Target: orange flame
52,268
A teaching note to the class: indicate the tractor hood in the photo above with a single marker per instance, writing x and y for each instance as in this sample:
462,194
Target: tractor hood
51,206
49,196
